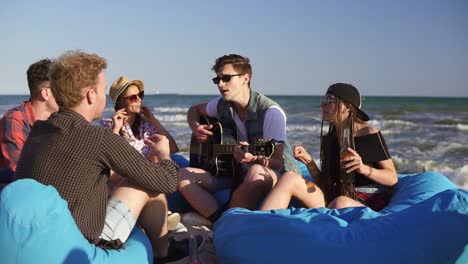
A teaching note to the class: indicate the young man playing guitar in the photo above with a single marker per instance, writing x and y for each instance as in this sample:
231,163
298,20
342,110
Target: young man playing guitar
252,116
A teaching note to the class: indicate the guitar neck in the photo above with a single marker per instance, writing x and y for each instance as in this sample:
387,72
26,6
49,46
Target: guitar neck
222,149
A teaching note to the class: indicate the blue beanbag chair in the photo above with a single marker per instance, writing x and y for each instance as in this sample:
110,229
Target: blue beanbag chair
36,226
426,222
180,160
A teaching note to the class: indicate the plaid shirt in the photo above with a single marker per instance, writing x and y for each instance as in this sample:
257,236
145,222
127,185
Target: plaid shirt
76,157
15,126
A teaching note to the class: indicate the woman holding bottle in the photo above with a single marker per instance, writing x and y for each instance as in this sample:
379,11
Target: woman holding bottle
356,168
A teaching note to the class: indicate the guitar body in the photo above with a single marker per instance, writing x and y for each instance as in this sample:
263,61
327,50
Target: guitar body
215,155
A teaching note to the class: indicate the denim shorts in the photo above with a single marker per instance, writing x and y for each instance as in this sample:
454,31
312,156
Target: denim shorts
119,221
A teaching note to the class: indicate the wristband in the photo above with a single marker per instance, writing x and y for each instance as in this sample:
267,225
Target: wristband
256,160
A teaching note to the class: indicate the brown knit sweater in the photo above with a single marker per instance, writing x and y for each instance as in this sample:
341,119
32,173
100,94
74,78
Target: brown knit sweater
76,157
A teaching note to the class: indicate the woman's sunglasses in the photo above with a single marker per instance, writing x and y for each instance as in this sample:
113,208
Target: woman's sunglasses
327,101
225,78
134,97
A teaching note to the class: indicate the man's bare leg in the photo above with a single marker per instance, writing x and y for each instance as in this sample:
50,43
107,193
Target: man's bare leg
258,181
151,213
153,219
197,185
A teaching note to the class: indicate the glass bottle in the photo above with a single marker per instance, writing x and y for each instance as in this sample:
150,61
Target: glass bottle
345,144
193,250
346,179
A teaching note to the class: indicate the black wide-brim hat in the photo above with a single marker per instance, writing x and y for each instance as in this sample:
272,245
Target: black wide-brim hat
350,94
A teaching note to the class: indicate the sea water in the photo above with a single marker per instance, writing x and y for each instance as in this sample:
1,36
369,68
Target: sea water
422,133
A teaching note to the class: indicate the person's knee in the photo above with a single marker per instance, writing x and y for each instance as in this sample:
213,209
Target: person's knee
256,169
340,202
290,180
255,186
185,176
160,199
258,173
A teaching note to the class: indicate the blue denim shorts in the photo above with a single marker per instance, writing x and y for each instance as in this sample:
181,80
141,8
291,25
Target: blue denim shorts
119,221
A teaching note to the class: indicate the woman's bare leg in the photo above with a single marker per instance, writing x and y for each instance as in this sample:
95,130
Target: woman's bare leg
293,185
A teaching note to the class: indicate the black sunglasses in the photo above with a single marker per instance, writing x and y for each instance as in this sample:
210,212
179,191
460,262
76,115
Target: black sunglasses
225,78
134,97
327,101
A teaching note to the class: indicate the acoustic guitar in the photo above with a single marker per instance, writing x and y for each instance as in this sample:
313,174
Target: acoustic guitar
216,155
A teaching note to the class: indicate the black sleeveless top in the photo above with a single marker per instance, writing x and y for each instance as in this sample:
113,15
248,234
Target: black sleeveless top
372,149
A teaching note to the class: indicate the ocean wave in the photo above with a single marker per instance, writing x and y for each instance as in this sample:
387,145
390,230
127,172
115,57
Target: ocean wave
455,127
462,127
180,123
424,149
392,123
171,109
109,111
446,121
393,126
444,126
309,128
458,175
309,116
442,149
172,118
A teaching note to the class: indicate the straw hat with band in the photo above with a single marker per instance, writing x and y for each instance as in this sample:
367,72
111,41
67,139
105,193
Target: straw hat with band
122,83
350,94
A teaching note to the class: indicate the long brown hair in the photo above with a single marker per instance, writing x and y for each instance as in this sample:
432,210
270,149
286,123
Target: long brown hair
330,146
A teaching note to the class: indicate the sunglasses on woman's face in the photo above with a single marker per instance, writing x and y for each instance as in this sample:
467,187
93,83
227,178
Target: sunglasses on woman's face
327,101
134,97
225,78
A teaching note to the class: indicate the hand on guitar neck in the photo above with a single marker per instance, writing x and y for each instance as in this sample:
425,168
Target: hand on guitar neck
262,149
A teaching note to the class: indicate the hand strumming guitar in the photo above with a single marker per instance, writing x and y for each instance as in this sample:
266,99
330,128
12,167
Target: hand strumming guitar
202,132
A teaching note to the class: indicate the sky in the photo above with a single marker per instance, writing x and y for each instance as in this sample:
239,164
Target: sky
384,48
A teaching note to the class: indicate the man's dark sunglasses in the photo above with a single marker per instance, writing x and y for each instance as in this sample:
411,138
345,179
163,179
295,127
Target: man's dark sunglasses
134,97
225,78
